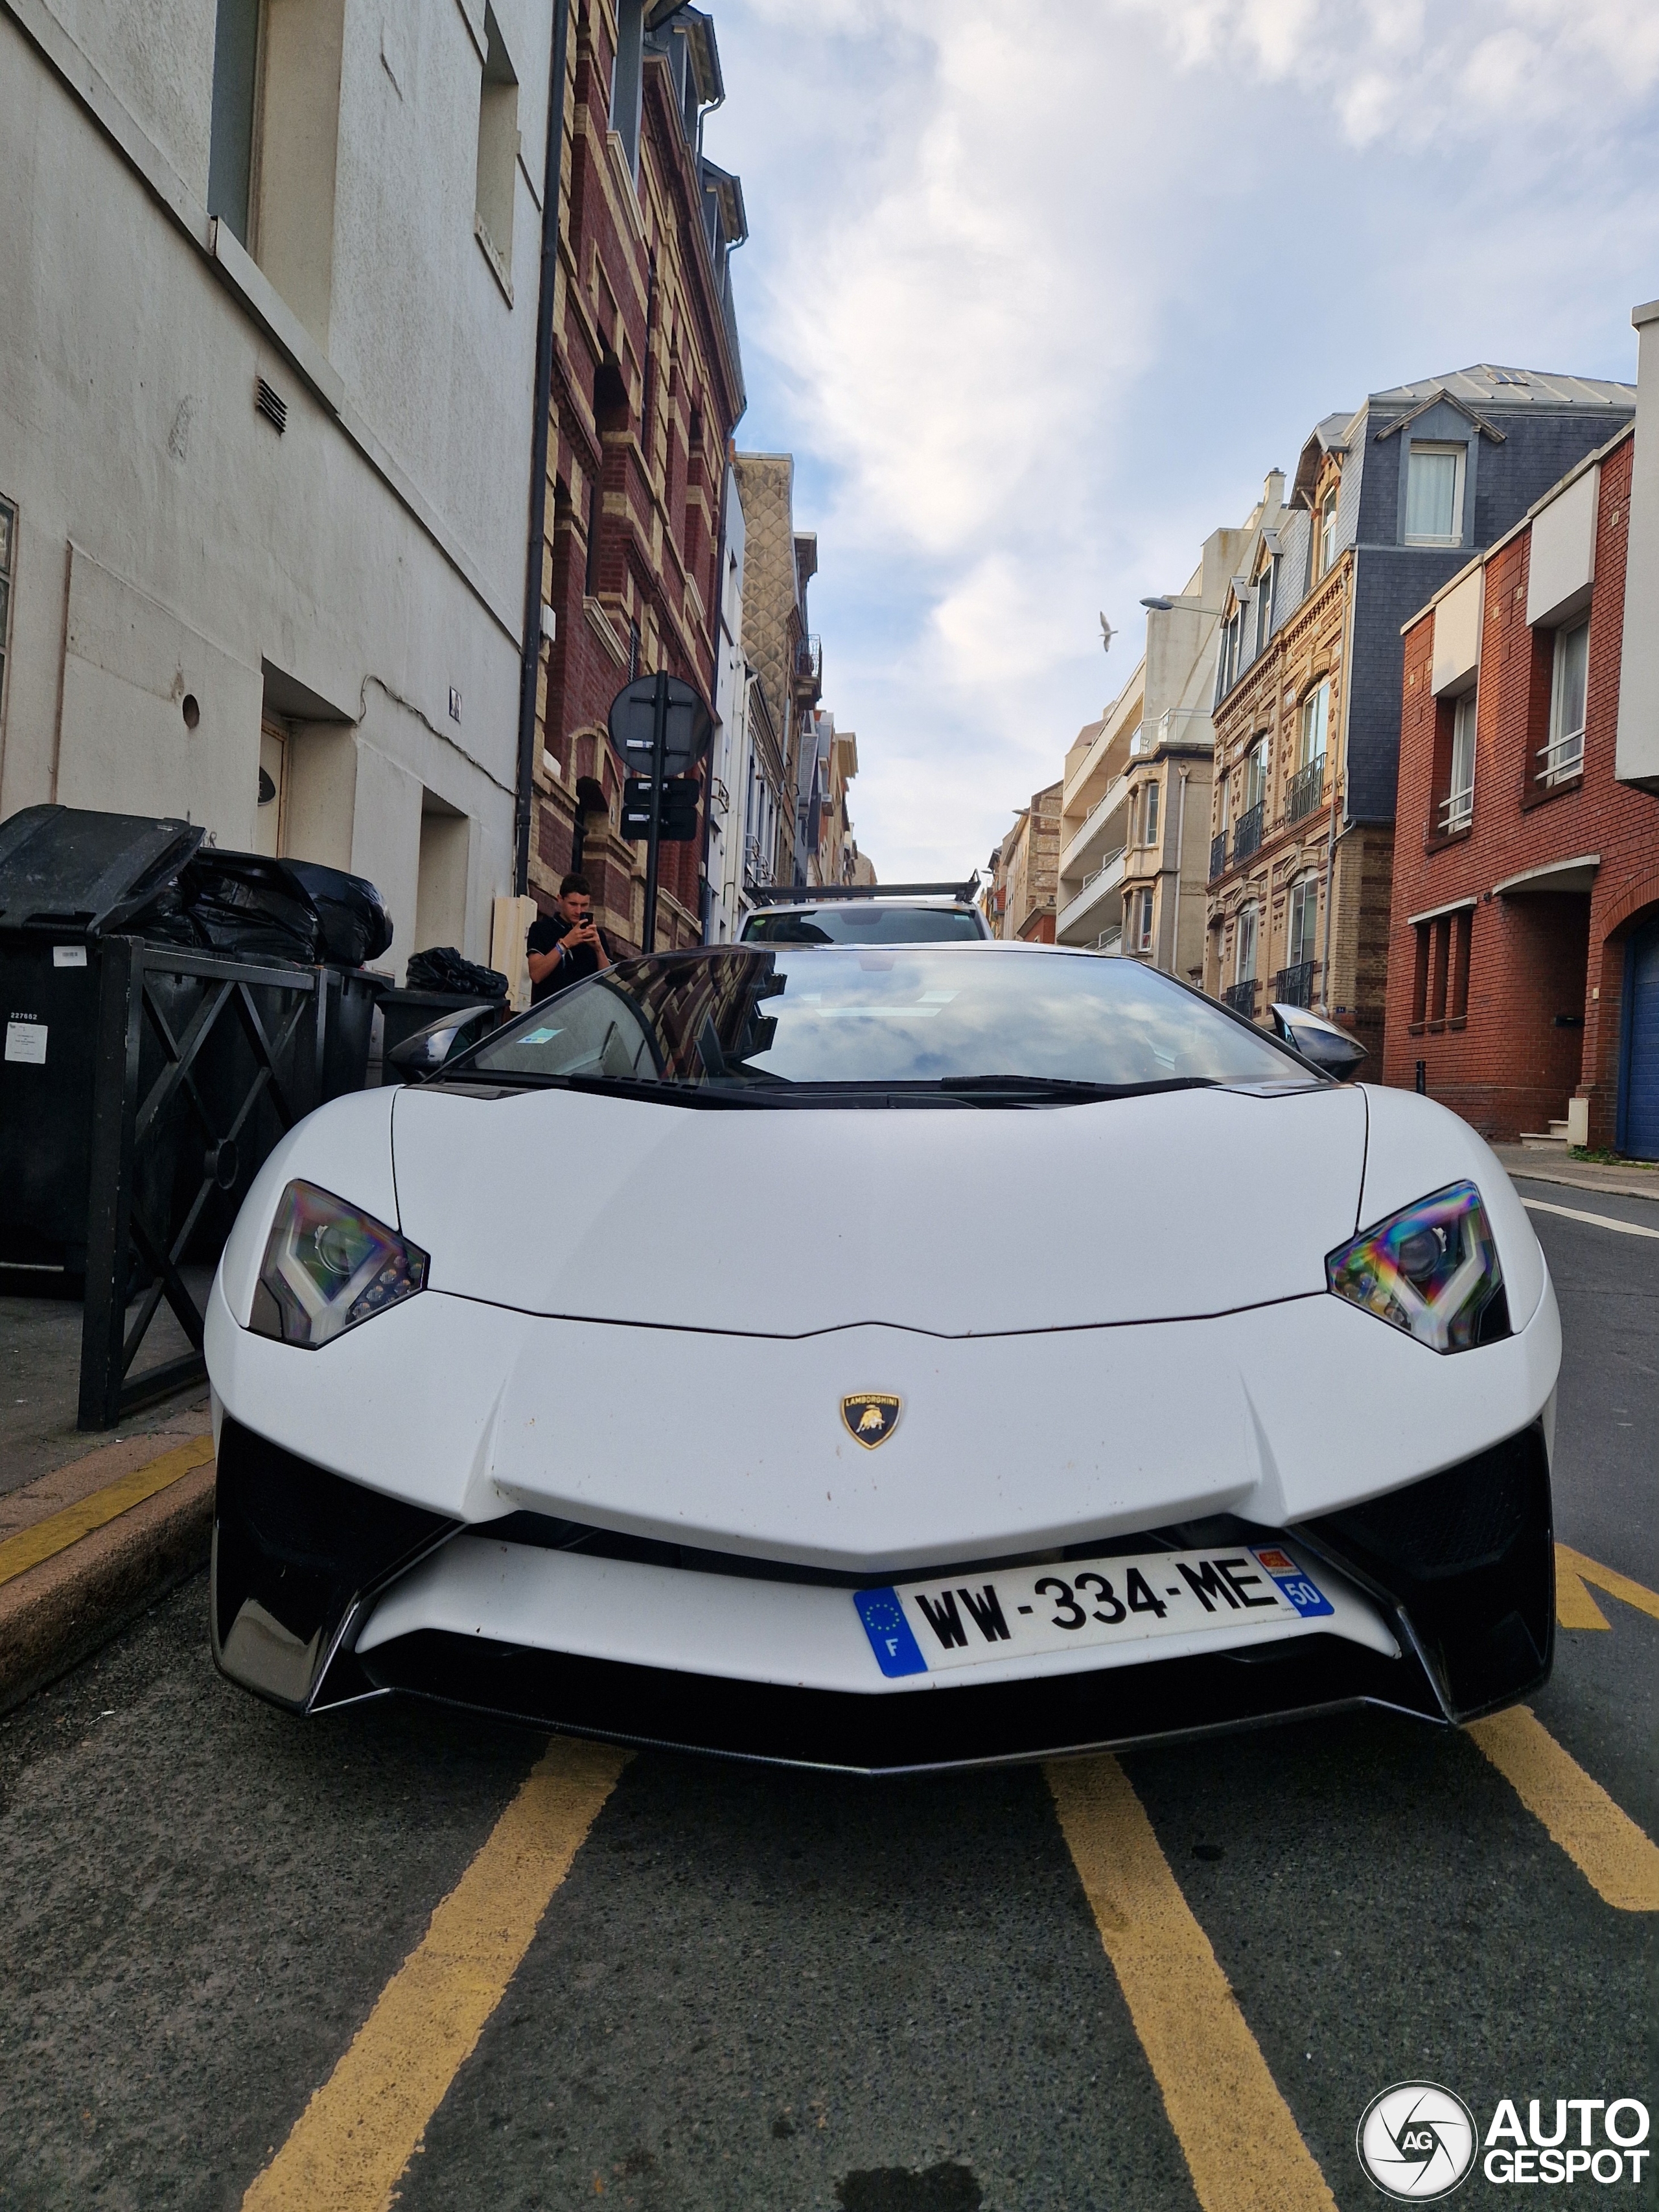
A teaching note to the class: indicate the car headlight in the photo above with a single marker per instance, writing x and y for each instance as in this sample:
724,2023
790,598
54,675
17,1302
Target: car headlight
1431,1270
327,1267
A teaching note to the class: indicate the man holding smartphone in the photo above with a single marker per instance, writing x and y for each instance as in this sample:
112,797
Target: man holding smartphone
565,946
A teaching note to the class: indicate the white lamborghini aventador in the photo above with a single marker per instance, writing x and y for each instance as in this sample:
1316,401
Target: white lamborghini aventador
884,1358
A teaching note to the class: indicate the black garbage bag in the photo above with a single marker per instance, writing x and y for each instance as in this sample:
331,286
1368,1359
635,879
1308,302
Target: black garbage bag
442,968
356,925
247,908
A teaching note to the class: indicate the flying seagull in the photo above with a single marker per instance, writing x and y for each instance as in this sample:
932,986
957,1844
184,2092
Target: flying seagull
1106,634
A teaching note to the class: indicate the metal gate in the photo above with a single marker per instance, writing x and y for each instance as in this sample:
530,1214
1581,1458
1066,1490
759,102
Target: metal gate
1639,1072
202,1063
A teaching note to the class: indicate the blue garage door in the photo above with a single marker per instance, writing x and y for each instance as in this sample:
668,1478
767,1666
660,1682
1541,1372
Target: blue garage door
1641,1071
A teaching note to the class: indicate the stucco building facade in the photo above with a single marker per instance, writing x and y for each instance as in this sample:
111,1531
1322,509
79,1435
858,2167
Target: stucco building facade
265,416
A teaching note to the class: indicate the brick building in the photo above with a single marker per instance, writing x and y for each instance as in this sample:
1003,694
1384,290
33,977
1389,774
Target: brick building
786,658
1387,504
1526,876
1025,873
648,386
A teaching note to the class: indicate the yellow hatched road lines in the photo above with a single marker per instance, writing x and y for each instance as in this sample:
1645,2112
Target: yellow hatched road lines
29,1548
1243,2148
1615,1857
349,2146
1574,1605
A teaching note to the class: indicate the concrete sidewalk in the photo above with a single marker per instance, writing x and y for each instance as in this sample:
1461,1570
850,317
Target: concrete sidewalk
93,1528
1617,1178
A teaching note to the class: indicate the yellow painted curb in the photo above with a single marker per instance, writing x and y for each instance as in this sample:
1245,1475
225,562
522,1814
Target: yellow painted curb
30,1547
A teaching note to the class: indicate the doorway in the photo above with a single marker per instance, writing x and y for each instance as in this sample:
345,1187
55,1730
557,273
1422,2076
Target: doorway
1638,1070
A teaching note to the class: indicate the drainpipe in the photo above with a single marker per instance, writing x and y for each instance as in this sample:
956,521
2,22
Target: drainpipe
1338,782
530,664
1181,854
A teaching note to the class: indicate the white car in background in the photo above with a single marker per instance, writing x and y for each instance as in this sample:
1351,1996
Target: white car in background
884,1358
890,913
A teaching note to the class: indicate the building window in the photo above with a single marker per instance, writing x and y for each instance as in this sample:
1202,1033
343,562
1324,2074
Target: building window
1140,921
1440,982
235,94
1562,758
1314,724
8,562
1149,815
1434,496
1303,922
498,146
1325,535
1457,808
1244,947
1255,774
627,80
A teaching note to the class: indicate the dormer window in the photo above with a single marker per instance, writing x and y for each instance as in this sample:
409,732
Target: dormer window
1325,532
1264,605
1226,666
1434,496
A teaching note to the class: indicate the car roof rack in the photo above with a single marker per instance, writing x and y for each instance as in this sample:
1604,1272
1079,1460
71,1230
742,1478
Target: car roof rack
821,894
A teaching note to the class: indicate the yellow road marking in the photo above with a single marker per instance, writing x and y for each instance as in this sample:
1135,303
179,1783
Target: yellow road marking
1243,2148
1574,1605
1599,1220
29,1546
1615,1856
349,2146
1608,1579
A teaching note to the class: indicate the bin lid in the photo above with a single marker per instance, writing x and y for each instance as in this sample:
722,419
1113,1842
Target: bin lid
71,871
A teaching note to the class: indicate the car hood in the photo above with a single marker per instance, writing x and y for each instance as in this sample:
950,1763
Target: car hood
956,1222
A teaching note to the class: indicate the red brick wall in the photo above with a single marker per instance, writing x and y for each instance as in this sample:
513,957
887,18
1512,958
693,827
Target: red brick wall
1508,1067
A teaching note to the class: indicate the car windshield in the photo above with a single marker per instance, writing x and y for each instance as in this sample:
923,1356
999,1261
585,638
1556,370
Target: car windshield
768,1023
856,923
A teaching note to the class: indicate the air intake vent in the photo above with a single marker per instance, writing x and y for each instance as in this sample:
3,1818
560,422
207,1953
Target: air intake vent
270,404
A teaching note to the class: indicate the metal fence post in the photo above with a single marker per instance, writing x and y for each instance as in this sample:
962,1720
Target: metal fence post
109,1198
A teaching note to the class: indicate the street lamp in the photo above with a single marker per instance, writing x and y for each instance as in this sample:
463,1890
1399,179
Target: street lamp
1162,606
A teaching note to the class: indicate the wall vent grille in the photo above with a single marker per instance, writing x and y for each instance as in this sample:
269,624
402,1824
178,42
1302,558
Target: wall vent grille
270,404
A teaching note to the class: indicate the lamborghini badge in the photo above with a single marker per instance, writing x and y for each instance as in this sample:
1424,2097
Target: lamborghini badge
871,1417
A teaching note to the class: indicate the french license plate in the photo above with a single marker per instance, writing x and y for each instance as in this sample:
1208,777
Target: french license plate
923,1628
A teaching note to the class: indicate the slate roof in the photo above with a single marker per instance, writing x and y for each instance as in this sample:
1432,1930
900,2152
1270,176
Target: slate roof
1487,384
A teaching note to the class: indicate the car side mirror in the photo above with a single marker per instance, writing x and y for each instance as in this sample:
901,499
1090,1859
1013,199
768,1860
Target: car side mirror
1333,1050
431,1049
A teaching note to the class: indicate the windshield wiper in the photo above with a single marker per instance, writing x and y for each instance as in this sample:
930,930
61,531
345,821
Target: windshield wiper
1067,1086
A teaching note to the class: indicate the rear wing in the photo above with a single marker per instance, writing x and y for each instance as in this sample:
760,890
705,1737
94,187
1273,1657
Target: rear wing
821,894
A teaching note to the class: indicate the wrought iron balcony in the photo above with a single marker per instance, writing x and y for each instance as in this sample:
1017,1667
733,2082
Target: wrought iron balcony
1246,832
1241,997
809,661
1218,855
1293,987
1303,791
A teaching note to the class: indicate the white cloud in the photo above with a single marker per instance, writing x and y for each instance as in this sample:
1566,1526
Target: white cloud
1037,295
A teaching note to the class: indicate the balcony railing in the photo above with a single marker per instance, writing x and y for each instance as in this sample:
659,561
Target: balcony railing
1095,887
1456,811
1241,997
1246,832
1217,855
1303,791
809,660
1109,940
1293,987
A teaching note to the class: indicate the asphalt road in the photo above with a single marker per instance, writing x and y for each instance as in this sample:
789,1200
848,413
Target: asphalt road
767,1990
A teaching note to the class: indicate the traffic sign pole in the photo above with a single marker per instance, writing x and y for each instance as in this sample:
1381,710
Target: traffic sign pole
658,747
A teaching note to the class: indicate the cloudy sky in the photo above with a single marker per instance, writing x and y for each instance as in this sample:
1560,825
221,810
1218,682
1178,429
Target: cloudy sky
1038,290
